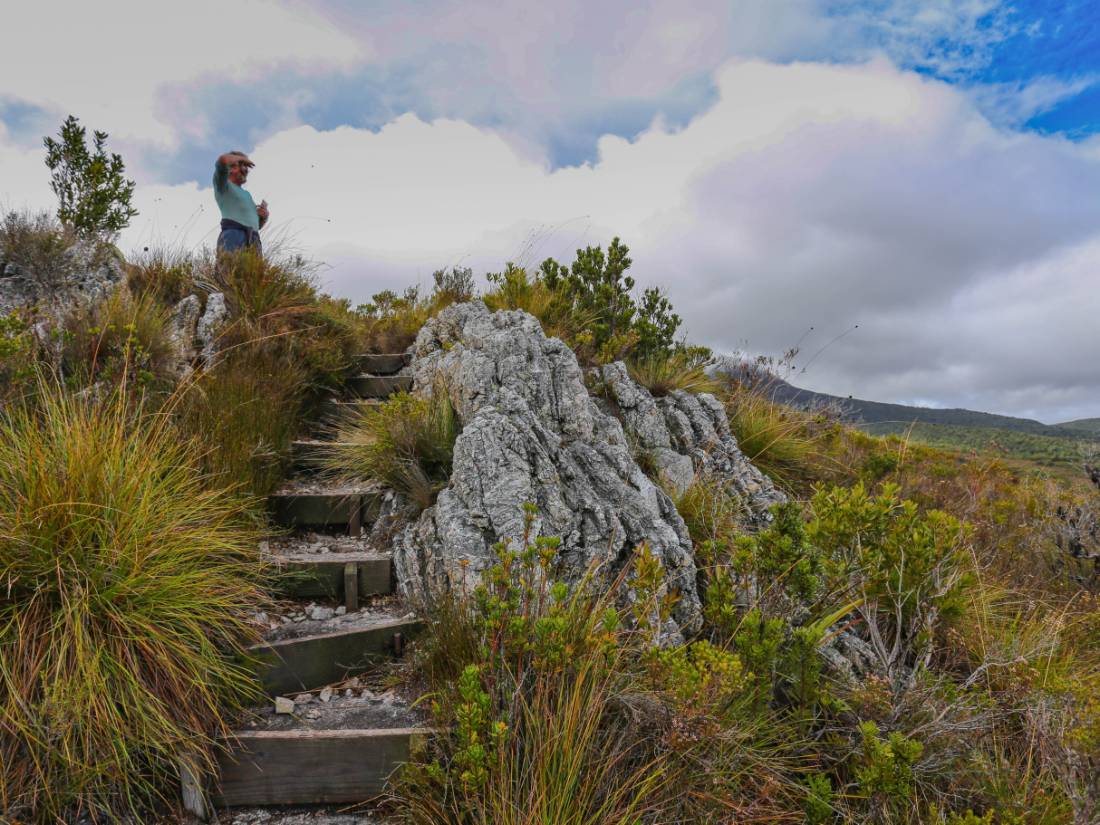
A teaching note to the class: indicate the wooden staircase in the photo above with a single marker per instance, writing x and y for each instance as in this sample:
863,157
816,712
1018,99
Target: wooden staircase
341,749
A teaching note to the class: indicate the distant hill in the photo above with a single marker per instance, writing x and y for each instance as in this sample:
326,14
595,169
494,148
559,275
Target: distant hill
1089,426
859,411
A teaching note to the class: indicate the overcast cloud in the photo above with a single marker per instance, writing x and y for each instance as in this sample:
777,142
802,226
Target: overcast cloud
774,171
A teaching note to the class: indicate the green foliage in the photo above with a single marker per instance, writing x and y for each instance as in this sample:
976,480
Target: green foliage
128,581
906,566
167,275
884,769
93,194
406,442
120,337
18,351
564,711
245,410
595,286
819,799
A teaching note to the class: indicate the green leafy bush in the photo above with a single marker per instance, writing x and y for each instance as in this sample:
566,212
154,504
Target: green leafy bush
18,354
121,336
92,192
128,582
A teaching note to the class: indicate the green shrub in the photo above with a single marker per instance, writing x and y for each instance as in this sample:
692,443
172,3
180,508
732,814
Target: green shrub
562,709
122,335
128,583
884,770
92,193
37,245
406,442
18,355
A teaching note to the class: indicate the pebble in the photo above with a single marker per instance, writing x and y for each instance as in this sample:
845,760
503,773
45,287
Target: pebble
319,613
341,610
349,693
303,698
326,694
313,714
284,705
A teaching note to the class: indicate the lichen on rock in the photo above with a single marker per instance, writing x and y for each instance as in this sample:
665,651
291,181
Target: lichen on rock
532,433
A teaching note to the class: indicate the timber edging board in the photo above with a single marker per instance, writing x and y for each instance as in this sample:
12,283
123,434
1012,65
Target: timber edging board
308,662
314,575
379,386
382,364
312,766
316,510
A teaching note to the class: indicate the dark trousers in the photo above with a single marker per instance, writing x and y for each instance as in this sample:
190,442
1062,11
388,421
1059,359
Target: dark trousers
235,236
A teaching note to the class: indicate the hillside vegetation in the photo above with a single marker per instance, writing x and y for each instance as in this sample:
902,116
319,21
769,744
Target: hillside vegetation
913,637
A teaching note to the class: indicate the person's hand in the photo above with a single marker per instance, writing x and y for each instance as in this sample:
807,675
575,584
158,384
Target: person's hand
262,211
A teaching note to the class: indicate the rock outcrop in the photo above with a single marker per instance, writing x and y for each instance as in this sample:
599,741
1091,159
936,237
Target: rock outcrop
84,274
532,433
687,436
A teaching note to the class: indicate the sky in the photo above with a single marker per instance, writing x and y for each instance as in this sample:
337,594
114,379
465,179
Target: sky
907,191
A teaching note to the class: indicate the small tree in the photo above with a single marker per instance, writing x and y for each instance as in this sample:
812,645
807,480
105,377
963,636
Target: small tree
93,195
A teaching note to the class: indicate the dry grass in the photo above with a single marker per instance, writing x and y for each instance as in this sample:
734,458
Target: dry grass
406,442
128,583
681,370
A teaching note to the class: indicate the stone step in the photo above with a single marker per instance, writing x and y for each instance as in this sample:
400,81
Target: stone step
382,363
378,386
301,767
347,577
339,509
322,652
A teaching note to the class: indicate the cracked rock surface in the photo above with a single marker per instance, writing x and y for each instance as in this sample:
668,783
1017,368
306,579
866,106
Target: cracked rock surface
687,436
532,433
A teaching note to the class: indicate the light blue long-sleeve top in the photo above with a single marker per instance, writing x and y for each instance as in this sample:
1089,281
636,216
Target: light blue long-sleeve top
235,203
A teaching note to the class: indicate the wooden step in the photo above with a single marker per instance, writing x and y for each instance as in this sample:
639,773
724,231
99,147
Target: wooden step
310,661
327,576
378,386
307,455
382,364
299,767
336,510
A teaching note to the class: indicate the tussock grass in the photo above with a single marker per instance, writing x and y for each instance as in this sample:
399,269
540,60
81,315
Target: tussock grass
244,411
406,442
681,370
123,334
165,273
709,511
128,581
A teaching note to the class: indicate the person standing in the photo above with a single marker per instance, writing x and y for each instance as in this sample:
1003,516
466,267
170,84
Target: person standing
242,219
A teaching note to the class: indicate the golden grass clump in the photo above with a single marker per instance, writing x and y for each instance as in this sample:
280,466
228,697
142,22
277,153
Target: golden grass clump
682,370
406,442
128,582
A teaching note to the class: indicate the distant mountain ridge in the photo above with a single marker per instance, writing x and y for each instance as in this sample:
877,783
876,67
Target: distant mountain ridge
860,411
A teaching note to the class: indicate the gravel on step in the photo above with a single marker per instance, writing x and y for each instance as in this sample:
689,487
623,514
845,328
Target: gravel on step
295,816
316,619
311,486
314,543
340,709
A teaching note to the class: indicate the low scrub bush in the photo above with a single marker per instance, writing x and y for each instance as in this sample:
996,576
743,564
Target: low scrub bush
564,710
18,355
38,245
121,336
406,442
128,581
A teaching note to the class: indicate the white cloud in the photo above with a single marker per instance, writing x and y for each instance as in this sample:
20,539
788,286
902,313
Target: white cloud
107,62
808,195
